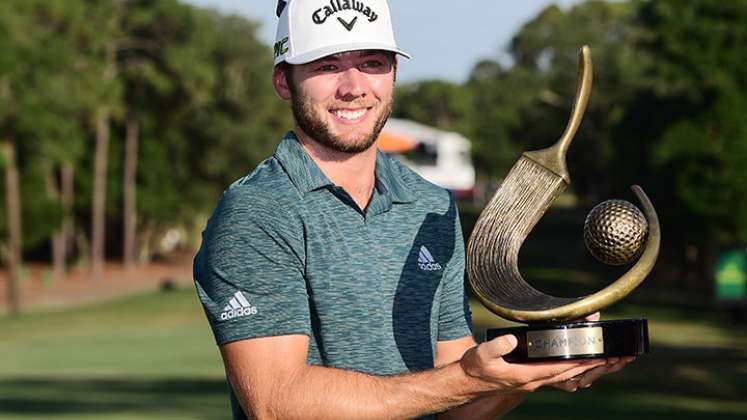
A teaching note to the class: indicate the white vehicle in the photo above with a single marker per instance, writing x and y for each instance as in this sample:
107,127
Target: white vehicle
441,157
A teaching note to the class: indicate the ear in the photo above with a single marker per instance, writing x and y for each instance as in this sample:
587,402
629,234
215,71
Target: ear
280,83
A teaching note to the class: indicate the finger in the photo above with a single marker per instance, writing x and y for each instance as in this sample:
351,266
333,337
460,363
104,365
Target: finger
567,386
566,375
613,365
589,377
566,381
501,346
561,369
593,317
618,366
575,374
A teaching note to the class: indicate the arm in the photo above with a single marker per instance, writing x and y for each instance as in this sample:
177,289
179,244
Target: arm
490,407
250,239
455,337
272,380
487,407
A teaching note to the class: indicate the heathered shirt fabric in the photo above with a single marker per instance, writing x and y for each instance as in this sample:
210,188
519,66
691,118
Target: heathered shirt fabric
288,252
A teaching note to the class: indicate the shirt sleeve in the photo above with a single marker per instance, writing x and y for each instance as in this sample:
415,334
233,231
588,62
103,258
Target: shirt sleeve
455,317
249,271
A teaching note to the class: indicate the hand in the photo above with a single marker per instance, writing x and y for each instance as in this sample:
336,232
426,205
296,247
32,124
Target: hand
585,380
485,364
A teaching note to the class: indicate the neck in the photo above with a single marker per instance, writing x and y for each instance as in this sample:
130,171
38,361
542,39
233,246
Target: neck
354,172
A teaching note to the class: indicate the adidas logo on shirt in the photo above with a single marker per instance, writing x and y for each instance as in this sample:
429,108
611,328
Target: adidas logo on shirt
426,261
237,307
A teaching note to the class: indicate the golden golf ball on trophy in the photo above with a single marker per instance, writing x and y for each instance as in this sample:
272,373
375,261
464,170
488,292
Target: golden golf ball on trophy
615,231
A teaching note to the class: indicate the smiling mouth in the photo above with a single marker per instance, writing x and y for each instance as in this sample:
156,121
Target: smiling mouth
350,116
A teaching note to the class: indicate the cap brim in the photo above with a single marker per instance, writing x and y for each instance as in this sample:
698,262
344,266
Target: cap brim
314,55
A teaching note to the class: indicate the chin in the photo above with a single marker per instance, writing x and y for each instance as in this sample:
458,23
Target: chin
357,145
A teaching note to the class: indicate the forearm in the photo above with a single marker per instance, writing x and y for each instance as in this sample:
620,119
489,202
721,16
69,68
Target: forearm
324,393
488,407
272,381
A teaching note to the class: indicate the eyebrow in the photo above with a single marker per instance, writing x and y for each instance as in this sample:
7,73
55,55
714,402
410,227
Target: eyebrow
363,54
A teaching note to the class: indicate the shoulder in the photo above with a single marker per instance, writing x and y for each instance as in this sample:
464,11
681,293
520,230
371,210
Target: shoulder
268,179
265,198
268,187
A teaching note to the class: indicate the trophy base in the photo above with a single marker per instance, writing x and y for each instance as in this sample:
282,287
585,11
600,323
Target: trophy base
577,340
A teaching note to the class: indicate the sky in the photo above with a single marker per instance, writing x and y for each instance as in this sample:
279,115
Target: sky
445,37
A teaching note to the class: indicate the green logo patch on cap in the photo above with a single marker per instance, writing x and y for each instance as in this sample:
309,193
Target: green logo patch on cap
281,47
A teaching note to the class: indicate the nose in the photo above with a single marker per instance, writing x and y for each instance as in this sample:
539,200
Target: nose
352,85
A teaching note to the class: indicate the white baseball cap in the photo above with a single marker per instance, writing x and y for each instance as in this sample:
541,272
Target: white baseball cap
311,29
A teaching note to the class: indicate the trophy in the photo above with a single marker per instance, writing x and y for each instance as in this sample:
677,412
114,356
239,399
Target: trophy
616,232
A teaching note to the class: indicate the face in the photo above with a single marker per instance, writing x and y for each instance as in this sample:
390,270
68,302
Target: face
341,101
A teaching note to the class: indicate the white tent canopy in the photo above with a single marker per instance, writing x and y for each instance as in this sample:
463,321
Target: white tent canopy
441,157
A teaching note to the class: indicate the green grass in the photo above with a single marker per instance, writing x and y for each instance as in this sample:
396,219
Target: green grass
152,357
145,357
697,369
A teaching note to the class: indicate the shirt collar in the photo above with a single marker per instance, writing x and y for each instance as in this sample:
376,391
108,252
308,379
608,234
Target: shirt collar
389,179
301,168
306,175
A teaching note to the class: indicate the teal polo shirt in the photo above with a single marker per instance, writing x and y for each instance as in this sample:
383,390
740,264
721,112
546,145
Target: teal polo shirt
286,251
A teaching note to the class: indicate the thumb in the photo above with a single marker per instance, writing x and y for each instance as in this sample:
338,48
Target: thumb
501,346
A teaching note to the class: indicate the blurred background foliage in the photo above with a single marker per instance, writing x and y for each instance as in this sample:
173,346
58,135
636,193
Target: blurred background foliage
131,117
179,94
666,112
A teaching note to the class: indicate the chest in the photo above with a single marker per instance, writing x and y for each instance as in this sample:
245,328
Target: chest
358,259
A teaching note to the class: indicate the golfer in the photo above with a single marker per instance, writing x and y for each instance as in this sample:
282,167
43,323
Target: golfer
332,276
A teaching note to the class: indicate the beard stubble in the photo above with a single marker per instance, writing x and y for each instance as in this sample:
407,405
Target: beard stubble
319,130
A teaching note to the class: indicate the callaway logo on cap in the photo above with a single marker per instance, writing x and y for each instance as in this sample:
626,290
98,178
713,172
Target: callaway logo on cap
311,29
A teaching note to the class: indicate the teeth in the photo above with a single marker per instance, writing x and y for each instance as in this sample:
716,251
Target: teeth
350,115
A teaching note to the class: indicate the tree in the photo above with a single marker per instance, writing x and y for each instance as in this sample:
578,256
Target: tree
531,101
152,29
176,99
444,105
687,120
50,122
31,101
199,84
8,72
106,53
13,211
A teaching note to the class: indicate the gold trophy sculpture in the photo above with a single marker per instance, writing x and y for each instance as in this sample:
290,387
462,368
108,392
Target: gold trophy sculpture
615,232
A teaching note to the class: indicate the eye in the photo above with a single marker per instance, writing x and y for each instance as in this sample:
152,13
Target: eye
326,68
372,64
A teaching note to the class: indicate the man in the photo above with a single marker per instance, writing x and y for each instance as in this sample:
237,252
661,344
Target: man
332,276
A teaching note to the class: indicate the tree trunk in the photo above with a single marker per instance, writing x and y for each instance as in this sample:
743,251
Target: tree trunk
103,116
130,204
13,205
59,263
58,245
146,248
98,228
62,240
68,197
